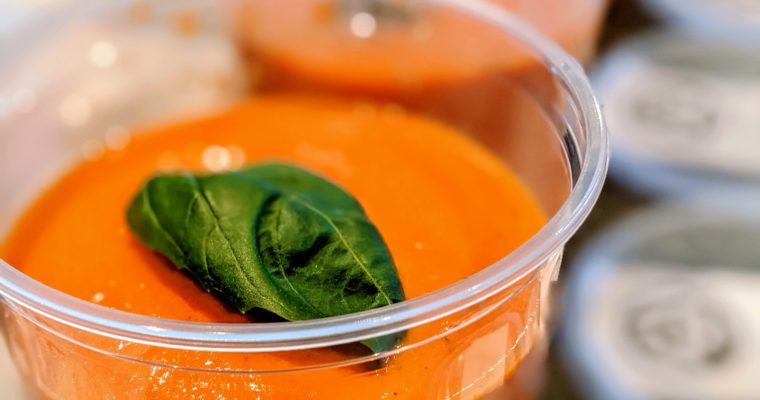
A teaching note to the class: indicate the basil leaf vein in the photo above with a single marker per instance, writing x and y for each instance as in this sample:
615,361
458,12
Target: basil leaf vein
272,236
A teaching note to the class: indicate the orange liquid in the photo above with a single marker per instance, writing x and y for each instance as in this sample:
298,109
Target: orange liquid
573,24
406,46
445,206
431,60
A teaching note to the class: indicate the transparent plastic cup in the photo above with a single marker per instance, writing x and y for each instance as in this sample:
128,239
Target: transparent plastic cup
80,78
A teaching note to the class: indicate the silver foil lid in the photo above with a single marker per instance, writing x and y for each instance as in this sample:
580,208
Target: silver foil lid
684,113
666,304
734,20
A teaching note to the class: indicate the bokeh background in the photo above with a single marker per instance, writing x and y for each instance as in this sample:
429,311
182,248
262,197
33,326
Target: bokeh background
656,292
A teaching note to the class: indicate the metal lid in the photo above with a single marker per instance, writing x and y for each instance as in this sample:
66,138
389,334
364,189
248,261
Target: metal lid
664,304
682,112
736,20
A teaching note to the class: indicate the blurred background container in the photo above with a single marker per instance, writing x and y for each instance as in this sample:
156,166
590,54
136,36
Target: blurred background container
683,110
660,285
663,305
732,20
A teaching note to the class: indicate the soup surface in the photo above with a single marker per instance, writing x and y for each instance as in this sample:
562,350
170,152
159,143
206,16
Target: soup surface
445,206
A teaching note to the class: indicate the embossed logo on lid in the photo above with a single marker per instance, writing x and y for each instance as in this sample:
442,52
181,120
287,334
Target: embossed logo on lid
735,20
682,113
664,305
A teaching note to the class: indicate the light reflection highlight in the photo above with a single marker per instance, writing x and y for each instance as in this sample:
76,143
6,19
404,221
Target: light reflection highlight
219,158
216,158
363,25
103,54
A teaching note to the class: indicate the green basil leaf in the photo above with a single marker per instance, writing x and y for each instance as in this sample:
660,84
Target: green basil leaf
274,237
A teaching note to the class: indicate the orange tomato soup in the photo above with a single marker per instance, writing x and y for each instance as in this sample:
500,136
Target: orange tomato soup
435,61
445,206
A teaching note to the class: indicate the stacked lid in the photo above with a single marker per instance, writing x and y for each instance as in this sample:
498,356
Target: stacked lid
664,304
683,112
682,102
733,20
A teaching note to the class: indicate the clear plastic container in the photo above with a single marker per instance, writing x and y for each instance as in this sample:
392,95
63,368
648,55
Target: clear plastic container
165,60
